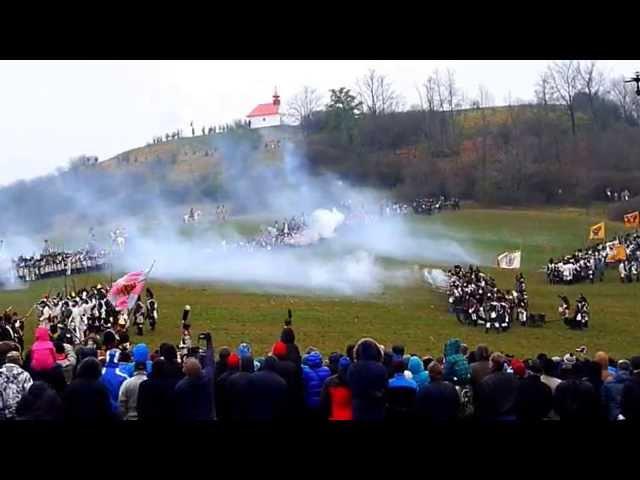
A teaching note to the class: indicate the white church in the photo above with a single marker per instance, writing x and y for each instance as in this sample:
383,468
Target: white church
266,114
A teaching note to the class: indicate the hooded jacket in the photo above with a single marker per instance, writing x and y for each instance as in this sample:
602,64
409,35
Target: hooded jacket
420,376
156,395
456,367
87,399
113,377
335,400
43,353
267,393
368,380
314,374
140,353
612,394
14,383
40,403
293,352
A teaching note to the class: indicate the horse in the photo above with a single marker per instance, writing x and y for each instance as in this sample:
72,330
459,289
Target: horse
189,218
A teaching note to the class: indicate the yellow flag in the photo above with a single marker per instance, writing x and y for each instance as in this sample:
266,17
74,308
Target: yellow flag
617,254
597,232
632,220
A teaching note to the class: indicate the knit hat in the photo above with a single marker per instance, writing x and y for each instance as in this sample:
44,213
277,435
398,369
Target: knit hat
518,367
280,350
233,361
244,349
568,361
344,363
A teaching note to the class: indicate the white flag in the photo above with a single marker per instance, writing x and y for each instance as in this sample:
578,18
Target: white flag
509,259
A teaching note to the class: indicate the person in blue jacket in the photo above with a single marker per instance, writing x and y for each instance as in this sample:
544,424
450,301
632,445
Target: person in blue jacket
113,377
140,354
420,376
314,373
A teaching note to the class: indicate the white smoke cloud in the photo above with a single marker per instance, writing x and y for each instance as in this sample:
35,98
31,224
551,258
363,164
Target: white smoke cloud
333,257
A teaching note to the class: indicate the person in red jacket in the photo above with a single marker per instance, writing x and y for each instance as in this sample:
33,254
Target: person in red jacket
335,399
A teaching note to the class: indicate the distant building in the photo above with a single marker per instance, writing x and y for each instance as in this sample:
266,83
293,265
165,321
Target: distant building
266,114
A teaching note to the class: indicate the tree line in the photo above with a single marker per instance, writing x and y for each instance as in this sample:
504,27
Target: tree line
579,134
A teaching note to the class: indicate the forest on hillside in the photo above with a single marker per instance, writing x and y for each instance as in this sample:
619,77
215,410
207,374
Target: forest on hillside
579,134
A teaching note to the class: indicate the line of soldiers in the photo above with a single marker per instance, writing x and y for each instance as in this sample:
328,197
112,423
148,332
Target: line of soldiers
279,235
476,300
58,263
429,206
590,264
90,312
580,318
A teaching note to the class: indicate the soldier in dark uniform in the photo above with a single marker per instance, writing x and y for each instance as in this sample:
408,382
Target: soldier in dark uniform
138,317
152,310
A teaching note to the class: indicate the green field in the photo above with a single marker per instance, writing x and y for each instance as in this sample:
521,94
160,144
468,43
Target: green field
415,316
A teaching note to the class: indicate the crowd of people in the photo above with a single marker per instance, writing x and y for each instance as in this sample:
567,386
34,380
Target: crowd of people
590,264
211,130
617,196
105,379
476,300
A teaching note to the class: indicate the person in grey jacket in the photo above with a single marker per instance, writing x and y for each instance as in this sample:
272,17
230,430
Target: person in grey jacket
128,396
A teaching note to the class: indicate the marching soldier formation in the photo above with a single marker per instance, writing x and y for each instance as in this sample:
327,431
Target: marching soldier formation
58,263
476,300
89,312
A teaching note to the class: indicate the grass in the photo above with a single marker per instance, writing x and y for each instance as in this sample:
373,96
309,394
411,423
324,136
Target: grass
414,315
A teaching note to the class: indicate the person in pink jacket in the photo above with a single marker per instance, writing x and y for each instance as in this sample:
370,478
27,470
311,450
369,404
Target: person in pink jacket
43,353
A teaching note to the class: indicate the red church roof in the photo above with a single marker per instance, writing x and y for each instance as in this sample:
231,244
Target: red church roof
264,109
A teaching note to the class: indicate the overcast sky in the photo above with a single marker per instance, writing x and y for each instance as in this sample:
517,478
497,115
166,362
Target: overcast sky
54,110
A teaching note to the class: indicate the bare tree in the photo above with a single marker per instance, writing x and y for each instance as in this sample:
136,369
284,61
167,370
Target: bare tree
543,89
620,94
592,82
303,104
377,94
564,82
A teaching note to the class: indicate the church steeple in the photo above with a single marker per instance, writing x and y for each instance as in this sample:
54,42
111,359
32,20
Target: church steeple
276,97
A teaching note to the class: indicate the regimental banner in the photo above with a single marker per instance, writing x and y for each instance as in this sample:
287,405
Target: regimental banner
510,259
632,220
126,290
597,232
617,254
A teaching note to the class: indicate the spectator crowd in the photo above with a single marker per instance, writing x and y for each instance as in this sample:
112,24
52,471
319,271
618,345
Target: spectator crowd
101,379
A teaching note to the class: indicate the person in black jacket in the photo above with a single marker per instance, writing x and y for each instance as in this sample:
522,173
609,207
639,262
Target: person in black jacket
40,403
86,399
630,400
534,399
575,399
195,393
173,368
156,395
368,380
288,337
267,393
439,401
291,373
497,392
238,390
221,365
223,407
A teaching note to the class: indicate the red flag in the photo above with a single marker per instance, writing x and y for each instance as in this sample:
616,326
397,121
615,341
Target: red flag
126,290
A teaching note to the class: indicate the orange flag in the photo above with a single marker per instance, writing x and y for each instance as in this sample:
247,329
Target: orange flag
632,220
